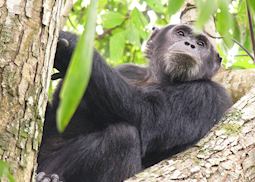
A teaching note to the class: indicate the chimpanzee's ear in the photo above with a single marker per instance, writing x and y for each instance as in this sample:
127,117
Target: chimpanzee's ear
155,30
63,43
219,58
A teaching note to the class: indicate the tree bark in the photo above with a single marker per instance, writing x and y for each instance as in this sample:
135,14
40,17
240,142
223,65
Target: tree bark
237,82
225,154
28,37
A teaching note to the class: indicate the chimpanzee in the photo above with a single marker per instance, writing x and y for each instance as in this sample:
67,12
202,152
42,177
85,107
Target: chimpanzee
132,117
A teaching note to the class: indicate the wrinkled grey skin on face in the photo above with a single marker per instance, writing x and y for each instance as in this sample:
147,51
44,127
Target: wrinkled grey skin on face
176,53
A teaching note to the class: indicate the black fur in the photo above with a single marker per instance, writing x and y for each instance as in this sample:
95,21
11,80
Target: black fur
120,127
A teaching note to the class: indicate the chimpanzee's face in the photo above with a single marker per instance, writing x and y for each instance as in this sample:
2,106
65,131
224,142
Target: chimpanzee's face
177,53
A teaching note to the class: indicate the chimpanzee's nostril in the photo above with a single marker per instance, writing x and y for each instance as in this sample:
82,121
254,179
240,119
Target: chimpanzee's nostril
186,43
192,46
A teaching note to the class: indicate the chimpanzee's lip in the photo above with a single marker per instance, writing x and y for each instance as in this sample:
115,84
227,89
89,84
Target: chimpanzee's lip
182,56
180,52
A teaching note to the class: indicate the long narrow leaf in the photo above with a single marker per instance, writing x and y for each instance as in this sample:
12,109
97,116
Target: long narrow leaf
78,73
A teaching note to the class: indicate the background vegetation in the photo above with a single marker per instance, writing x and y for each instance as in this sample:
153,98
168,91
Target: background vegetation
123,26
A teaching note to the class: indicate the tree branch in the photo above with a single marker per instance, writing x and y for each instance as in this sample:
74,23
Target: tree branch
225,154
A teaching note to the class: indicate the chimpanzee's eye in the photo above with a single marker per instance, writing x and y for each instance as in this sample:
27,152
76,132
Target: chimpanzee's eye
201,43
181,33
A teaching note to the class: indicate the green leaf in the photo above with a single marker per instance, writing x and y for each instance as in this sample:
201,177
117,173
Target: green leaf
206,9
243,63
50,91
224,22
132,35
139,21
4,168
10,178
112,19
237,33
155,5
174,6
117,44
78,73
102,3
242,20
247,40
5,171
252,4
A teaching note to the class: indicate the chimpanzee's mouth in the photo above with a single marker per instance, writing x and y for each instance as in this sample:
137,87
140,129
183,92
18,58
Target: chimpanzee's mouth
182,57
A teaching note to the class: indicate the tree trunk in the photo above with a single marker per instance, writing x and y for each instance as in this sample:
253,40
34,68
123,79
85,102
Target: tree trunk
225,154
237,82
28,37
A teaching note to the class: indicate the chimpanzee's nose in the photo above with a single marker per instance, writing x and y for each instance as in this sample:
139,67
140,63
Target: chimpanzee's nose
191,45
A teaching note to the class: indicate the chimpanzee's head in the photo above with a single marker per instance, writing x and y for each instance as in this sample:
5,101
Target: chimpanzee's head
177,53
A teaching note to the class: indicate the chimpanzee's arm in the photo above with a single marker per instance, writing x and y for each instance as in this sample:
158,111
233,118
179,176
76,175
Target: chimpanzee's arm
109,92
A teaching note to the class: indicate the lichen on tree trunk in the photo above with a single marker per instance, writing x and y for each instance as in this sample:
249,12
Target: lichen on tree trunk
28,37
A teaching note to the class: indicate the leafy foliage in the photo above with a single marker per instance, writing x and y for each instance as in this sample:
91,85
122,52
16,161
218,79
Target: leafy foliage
124,26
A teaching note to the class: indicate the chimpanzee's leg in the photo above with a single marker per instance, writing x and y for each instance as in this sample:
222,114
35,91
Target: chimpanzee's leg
112,154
